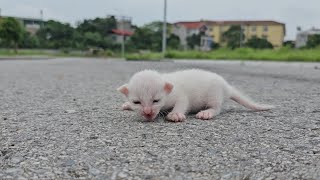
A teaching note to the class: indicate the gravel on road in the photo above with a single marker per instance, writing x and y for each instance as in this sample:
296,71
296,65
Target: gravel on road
61,119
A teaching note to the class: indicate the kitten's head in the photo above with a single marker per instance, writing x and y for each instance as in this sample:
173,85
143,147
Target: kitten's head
147,93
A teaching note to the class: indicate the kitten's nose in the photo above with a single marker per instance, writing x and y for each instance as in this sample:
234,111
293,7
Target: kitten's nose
147,110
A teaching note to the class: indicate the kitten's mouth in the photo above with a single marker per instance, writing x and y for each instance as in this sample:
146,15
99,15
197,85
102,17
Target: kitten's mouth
149,117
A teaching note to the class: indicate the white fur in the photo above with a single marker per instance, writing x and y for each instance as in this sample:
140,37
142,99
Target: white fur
193,90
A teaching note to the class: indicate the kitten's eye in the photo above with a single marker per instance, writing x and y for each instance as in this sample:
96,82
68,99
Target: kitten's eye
156,100
136,102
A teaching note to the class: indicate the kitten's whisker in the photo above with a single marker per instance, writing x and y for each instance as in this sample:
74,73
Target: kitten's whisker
162,114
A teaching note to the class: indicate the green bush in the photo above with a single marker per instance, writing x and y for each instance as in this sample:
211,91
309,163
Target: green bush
313,41
282,54
259,43
109,53
65,50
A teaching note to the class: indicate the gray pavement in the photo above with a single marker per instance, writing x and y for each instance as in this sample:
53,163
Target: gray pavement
60,119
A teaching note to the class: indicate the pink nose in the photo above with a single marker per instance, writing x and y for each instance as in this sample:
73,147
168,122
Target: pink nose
147,110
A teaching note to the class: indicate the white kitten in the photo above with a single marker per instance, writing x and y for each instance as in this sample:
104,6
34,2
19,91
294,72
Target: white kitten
193,90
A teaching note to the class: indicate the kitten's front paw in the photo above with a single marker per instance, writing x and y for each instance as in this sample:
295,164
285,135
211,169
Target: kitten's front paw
204,115
176,117
126,106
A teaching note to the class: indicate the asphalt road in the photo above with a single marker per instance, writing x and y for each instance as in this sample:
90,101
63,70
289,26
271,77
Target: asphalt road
60,119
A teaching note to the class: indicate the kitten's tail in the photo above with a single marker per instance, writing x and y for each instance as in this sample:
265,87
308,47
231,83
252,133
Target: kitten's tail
238,97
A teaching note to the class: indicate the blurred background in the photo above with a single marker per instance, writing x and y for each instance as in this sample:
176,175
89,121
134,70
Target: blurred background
141,29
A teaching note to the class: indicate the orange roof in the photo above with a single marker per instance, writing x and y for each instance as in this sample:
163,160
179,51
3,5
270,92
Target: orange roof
191,25
122,32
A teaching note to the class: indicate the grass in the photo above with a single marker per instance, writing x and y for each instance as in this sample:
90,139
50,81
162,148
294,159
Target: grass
28,52
144,56
53,53
282,54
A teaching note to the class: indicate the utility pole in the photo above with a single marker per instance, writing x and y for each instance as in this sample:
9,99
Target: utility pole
41,17
122,19
41,14
164,33
241,36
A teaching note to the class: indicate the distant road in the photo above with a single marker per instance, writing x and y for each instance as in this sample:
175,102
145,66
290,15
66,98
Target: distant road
60,119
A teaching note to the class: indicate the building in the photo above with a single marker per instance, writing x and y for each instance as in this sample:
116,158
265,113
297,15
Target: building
303,36
32,25
273,31
186,29
124,28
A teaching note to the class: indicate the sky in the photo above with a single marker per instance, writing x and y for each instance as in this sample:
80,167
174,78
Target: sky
291,12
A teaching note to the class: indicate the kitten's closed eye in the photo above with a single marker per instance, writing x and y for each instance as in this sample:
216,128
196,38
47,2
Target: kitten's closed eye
156,100
136,102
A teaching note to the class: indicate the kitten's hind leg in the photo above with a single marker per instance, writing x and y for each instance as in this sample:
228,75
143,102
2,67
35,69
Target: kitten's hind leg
214,108
126,106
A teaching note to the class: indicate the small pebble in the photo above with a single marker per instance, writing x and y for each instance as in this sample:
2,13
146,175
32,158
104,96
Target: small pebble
69,162
12,170
122,175
70,111
94,171
94,137
316,151
16,160
21,178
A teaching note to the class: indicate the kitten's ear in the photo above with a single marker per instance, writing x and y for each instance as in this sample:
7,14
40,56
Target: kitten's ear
124,89
168,87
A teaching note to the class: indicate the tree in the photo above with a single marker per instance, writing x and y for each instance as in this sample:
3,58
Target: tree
56,35
194,40
146,37
109,43
259,43
149,37
78,40
11,32
233,36
215,45
97,33
173,42
313,41
101,25
93,39
29,41
155,26
290,44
